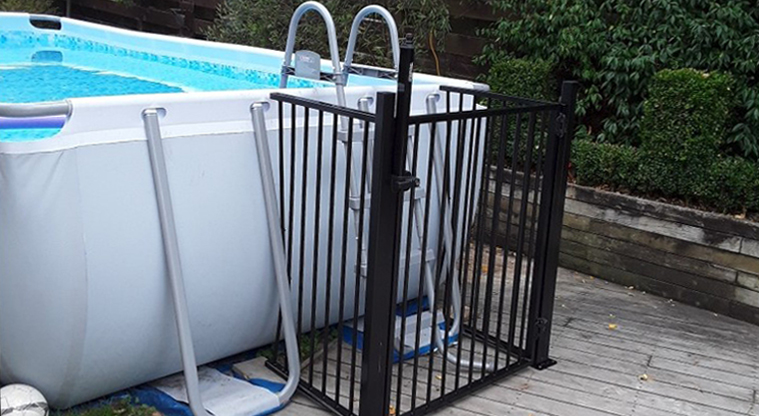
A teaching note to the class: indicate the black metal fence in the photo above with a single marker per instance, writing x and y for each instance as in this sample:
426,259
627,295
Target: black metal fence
405,302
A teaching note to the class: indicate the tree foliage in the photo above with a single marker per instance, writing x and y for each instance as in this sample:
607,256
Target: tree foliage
28,6
614,47
264,23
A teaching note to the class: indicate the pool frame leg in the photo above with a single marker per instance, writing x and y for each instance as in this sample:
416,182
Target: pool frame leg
173,264
278,252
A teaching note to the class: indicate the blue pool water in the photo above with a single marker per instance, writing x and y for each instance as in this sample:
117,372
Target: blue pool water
37,67
34,83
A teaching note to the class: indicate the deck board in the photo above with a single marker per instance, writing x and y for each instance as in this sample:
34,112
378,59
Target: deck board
697,363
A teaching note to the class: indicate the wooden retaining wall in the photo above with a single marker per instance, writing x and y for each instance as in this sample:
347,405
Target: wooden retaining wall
699,258
191,18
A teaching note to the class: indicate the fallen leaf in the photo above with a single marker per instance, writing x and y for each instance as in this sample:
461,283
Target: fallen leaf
392,410
612,326
643,377
438,376
630,287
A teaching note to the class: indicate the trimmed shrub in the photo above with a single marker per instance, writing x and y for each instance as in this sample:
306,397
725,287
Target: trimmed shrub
728,184
686,112
523,78
733,185
612,165
683,126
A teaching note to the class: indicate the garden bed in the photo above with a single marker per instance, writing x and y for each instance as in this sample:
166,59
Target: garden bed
700,258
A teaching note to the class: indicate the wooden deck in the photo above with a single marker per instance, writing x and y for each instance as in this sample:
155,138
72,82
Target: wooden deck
662,358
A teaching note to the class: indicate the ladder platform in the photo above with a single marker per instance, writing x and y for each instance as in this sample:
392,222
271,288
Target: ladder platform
222,395
354,203
407,348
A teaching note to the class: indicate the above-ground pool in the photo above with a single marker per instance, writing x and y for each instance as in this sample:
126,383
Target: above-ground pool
85,306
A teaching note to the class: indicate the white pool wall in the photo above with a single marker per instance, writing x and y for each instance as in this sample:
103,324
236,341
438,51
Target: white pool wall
85,308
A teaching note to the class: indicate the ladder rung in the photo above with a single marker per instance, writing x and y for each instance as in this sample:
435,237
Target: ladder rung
355,203
416,258
358,134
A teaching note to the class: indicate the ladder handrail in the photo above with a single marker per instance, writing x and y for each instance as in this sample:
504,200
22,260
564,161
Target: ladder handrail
392,26
333,49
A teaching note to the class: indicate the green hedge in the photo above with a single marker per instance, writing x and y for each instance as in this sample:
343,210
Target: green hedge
523,78
605,164
728,184
683,126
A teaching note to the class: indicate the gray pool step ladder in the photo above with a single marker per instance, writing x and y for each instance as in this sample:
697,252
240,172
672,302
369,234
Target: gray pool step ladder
419,193
192,384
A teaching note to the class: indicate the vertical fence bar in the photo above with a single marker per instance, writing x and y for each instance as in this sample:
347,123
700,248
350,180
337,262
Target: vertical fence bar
549,226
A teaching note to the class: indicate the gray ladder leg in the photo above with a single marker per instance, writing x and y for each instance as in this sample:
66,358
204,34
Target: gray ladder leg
173,264
438,163
278,251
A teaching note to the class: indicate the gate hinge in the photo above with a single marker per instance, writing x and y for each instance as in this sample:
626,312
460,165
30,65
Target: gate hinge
561,124
541,324
402,183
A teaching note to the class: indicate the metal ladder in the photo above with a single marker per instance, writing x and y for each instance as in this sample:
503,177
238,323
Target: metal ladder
152,126
419,193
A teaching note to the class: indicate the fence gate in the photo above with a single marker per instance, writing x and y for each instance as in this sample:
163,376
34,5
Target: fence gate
423,248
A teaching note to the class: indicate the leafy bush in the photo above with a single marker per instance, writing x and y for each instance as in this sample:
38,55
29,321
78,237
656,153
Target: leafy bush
523,78
28,6
264,23
614,47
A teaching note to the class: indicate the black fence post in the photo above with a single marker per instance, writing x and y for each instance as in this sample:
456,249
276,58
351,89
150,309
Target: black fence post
391,180
549,227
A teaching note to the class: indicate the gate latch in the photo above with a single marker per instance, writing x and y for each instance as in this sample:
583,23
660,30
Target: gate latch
402,183
541,324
